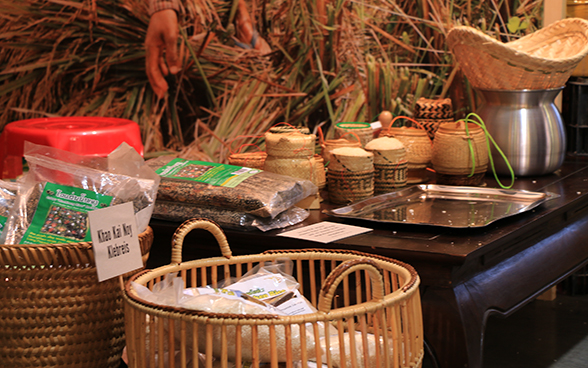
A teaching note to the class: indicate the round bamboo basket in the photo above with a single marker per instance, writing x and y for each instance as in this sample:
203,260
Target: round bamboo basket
289,143
419,149
350,186
430,113
452,156
351,159
297,167
330,144
541,60
53,310
364,131
373,298
389,177
320,173
254,160
417,144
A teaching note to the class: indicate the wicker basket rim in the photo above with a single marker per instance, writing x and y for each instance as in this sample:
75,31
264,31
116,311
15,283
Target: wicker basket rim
404,292
515,51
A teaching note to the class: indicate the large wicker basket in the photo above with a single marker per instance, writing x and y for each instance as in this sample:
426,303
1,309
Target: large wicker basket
53,310
540,60
373,298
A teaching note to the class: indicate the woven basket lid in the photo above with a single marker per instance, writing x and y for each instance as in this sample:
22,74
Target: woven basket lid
540,60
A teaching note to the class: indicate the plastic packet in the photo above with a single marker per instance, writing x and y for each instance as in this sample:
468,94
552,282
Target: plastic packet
8,193
177,211
365,349
248,295
61,187
242,189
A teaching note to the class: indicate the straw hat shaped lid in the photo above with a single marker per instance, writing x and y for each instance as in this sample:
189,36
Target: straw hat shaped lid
386,150
540,60
351,159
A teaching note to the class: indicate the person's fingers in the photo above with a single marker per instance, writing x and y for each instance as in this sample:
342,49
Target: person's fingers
161,39
171,54
154,71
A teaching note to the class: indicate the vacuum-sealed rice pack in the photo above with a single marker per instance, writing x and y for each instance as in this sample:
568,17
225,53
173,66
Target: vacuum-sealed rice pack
60,188
246,190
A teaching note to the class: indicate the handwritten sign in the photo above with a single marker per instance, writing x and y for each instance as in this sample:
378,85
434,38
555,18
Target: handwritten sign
115,240
325,232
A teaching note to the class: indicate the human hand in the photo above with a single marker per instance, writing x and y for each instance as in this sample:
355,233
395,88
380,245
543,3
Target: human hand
162,50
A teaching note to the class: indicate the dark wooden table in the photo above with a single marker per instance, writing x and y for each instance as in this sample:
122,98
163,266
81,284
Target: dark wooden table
466,274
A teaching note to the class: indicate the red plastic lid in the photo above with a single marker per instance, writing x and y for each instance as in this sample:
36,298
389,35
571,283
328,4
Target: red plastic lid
91,136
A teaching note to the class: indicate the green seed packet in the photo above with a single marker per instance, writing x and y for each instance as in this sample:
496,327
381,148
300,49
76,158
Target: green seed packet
206,172
61,215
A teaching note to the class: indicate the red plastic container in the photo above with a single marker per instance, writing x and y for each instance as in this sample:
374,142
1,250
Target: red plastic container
91,136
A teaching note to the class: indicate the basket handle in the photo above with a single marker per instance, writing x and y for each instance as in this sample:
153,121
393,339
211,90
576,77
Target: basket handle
198,223
340,272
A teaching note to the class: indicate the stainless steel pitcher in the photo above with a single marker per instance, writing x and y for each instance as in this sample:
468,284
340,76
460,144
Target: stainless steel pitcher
528,128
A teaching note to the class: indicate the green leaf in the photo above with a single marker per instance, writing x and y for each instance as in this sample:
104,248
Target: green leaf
513,24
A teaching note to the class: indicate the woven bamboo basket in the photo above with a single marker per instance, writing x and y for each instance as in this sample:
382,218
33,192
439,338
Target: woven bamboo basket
364,131
319,170
373,298
541,60
254,160
53,310
350,186
290,143
330,144
297,167
452,154
419,149
389,177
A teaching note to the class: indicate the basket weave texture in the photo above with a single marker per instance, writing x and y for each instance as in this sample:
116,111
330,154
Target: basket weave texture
358,294
541,60
53,310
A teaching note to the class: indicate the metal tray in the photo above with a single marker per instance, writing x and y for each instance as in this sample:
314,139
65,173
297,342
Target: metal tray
441,205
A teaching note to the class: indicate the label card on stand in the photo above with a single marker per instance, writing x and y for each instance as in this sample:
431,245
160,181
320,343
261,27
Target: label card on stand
115,240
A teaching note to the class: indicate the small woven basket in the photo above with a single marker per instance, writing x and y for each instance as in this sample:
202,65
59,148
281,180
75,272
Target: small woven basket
389,177
254,160
330,144
297,167
364,131
541,60
430,113
368,313
53,310
419,149
452,154
289,142
350,186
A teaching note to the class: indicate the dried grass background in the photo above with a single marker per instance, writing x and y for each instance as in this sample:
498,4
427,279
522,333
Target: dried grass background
332,61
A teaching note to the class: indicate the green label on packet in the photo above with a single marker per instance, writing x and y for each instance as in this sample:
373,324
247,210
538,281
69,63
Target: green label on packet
221,175
61,215
2,223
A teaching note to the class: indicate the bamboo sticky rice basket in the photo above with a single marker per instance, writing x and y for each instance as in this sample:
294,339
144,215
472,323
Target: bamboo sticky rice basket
372,298
540,60
53,310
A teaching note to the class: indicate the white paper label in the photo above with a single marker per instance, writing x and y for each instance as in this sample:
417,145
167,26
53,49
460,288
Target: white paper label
325,232
115,240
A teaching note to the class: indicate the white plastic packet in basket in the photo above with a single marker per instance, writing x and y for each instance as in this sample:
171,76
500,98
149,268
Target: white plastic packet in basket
262,291
61,187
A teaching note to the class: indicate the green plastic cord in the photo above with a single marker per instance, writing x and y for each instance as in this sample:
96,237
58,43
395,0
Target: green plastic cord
488,140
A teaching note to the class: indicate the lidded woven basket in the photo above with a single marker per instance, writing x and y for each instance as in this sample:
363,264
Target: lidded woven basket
540,60
458,152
